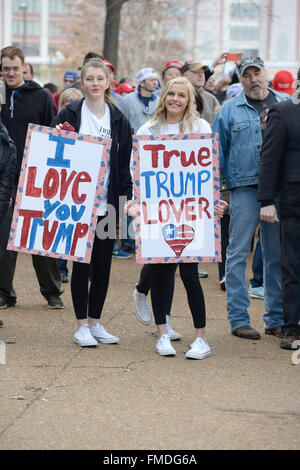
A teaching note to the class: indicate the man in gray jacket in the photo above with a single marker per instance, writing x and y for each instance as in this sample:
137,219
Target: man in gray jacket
140,105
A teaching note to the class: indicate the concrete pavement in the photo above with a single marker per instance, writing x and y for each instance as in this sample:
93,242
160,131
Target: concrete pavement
55,395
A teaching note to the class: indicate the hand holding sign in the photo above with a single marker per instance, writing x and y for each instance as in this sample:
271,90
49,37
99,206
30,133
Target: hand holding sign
58,194
131,208
176,184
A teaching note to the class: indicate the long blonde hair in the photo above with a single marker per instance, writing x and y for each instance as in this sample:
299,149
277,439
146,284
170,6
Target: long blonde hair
190,114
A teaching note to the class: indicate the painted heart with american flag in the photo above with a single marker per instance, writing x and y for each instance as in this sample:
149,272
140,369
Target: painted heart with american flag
178,237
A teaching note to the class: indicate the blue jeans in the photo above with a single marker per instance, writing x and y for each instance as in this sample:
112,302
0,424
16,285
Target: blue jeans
244,219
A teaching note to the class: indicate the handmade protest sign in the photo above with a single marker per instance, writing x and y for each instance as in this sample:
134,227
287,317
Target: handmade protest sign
59,191
176,184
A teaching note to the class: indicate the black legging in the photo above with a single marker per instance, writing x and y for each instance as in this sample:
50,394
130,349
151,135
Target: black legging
90,301
144,285
162,277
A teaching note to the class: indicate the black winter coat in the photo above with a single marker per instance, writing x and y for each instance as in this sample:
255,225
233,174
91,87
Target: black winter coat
7,170
26,104
280,158
120,183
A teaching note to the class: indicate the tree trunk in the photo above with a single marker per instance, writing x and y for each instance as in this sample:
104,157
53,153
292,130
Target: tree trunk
111,35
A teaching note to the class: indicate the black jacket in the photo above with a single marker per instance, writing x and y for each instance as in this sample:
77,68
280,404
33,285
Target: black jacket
280,156
26,104
7,169
120,183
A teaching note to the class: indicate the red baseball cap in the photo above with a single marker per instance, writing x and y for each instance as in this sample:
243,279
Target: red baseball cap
108,64
283,81
172,63
124,88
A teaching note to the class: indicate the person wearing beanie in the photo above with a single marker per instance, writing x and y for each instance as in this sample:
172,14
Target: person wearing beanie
283,82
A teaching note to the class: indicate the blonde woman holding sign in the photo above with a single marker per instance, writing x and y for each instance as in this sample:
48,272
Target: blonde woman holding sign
96,115
176,114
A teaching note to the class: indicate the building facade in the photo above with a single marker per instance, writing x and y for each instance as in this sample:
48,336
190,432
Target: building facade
36,26
268,28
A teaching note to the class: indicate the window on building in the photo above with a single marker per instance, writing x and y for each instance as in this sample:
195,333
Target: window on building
282,48
33,6
55,29
61,6
244,10
249,52
244,33
32,28
177,9
30,49
175,32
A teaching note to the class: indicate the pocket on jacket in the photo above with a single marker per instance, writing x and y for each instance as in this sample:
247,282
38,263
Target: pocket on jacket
243,153
240,133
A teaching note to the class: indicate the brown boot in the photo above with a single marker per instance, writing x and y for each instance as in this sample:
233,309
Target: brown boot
276,331
246,332
290,340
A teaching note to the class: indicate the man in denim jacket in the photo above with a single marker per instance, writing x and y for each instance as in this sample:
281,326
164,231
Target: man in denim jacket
241,124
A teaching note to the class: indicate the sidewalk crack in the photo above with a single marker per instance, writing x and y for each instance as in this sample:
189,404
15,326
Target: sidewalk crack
39,396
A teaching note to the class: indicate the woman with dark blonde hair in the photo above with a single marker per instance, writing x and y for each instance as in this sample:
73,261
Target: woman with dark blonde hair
175,114
96,115
67,96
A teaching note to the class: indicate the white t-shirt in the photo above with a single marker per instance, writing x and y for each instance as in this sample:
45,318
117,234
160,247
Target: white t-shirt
91,125
200,126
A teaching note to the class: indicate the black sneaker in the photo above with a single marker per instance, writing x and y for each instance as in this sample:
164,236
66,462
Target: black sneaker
55,302
5,303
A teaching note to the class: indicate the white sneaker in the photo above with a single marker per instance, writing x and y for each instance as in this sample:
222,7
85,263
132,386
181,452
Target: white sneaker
101,335
84,338
173,334
164,347
142,309
202,273
199,349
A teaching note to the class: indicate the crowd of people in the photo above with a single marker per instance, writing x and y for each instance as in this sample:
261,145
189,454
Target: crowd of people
256,123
